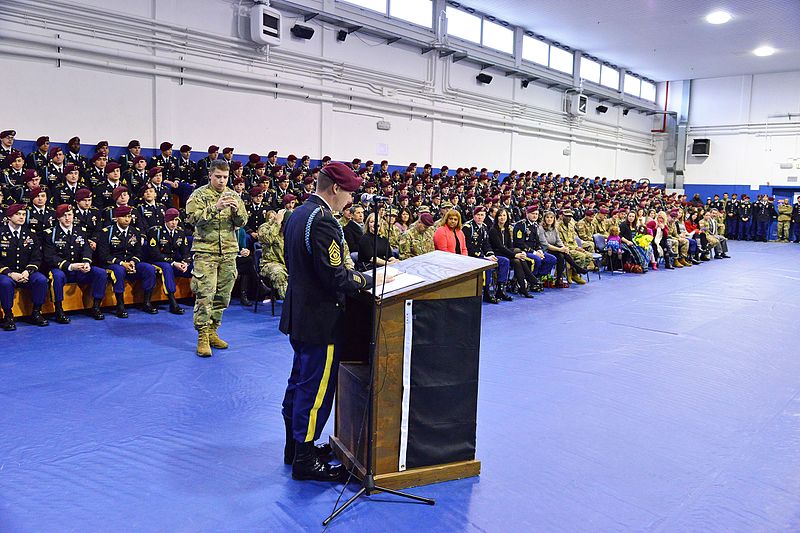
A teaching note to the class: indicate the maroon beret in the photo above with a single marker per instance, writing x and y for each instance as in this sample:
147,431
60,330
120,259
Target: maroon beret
260,164
15,154
237,181
82,194
673,213
61,209
427,219
7,133
74,140
254,158
291,157
186,148
326,158
166,145
34,192
111,167
272,153
134,144
153,171
343,176
171,214
117,192
101,144
138,158
236,165
307,180
146,186
213,148
54,150
13,209
96,156
70,168
603,211
121,211
255,191
30,174
288,198
41,140
226,150
478,209
532,209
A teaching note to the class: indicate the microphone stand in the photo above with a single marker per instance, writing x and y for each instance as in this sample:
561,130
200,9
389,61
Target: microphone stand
368,485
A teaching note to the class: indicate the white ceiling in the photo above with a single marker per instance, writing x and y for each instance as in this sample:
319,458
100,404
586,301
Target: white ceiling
665,39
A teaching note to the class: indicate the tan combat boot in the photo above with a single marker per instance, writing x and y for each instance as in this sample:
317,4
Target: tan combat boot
214,339
577,278
203,348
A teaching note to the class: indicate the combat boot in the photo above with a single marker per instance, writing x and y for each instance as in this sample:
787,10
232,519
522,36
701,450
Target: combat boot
323,451
121,312
8,320
203,348
61,318
95,311
487,296
36,317
147,306
174,308
501,293
214,339
577,278
307,466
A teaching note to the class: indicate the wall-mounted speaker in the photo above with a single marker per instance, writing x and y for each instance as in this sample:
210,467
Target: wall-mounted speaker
484,78
341,35
701,147
601,109
302,32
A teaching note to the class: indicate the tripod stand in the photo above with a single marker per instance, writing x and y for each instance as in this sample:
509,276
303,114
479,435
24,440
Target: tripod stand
368,485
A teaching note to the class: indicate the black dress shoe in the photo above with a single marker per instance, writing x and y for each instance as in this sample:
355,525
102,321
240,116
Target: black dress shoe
324,452
150,309
489,299
61,318
38,320
9,324
121,312
176,310
308,467
96,313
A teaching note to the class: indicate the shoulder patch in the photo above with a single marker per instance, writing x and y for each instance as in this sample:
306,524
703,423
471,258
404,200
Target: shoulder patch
334,254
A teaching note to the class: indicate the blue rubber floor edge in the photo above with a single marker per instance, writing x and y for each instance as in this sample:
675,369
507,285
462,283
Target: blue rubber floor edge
668,401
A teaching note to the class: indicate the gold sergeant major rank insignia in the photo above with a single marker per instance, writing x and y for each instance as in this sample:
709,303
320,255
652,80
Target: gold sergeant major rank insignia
334,254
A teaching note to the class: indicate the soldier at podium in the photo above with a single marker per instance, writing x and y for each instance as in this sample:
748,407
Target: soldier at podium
312,316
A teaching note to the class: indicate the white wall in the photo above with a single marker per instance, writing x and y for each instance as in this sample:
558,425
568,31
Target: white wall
438,112
748,140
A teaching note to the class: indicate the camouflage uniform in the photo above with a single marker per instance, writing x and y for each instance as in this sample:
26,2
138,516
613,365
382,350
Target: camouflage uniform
585,230
414,243
784,219
567,234
215,248
273,265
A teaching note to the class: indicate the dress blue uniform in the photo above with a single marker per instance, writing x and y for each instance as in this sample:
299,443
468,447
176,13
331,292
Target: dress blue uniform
20,251
313,314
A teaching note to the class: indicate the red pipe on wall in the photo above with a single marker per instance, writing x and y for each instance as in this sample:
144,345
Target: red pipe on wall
666,101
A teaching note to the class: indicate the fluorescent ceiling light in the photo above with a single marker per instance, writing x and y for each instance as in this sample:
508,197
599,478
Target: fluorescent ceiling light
764,51
718,17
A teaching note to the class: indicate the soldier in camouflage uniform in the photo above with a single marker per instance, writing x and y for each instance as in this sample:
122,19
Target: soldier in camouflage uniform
273,264
418,239
585,230
394,232
566,231
784,220
215,211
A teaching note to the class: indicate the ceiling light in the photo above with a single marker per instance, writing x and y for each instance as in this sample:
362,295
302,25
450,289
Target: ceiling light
764,51
718,17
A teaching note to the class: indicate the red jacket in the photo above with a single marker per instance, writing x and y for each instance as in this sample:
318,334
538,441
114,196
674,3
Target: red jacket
445,240
691,226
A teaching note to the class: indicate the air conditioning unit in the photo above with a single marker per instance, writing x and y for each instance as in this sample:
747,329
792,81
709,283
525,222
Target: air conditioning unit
265,25
577,104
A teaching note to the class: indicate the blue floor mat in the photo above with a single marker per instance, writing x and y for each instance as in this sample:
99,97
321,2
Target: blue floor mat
658,402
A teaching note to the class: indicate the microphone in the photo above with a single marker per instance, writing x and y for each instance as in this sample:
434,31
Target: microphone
367,198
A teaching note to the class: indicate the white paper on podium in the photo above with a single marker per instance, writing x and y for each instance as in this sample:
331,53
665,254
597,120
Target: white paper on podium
401,280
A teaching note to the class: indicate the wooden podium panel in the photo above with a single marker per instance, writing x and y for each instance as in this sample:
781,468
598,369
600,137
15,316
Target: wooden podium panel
446,276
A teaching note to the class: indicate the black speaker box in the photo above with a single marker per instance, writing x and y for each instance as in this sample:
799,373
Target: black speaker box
302,32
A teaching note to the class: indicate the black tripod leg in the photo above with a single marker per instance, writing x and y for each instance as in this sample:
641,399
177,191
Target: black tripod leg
346,504
429,501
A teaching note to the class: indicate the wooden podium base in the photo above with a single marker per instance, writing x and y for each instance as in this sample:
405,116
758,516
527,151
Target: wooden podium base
413,477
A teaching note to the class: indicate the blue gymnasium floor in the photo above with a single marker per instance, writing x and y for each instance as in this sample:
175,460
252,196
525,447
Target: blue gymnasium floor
663,402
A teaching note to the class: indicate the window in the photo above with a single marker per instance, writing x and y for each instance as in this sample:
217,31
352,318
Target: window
560,60
535,50
649,91
498,37
609,77
416,11
590,70
632,85
375,5
463,25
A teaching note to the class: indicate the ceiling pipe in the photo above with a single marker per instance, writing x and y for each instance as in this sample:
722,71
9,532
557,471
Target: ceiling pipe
666,101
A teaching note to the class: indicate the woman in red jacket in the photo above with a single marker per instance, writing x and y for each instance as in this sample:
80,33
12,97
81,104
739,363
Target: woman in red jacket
449,237
692,225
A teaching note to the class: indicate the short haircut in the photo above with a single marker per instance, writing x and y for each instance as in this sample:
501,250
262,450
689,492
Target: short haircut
324,183
219,164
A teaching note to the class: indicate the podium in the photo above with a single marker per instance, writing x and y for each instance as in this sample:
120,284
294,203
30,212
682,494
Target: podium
426,379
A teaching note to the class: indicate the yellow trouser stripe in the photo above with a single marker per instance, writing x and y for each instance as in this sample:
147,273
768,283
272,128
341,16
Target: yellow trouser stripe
323,388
